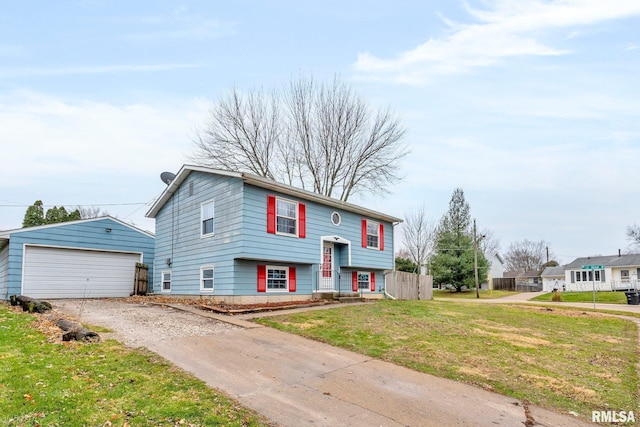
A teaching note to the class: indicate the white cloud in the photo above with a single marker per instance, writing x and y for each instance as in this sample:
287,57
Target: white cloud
97,69
46,136
506,28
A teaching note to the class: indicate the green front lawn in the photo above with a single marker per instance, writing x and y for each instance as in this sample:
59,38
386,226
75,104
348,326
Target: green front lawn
566,360
601,297
75,384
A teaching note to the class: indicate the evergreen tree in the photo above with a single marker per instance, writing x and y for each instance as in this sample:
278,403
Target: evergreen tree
35,215
453,261
405,264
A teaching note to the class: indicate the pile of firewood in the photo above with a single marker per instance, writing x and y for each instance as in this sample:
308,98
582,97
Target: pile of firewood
71,331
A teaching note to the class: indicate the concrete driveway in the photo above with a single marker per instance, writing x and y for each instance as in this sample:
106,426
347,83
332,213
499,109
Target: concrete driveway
299,382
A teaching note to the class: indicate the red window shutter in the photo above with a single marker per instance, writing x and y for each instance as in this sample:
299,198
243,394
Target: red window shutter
354,281
364,233
381,237
373,280
271,214
262,278
292,279
302,220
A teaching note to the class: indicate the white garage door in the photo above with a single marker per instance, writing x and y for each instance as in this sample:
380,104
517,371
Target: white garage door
76,273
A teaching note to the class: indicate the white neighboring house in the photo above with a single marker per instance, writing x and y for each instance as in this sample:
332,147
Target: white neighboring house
496,271
553,278
619,273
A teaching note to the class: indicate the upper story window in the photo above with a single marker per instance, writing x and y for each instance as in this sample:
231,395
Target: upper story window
373,229
286,217
372,235
335,218
206,210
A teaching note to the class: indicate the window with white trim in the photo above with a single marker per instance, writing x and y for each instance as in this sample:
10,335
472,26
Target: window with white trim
335,218
624,275
206,278
206,215
286,217
364,280
373,231
277,278
166,281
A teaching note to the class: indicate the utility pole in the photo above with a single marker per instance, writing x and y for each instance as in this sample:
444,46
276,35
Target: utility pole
475,257
547,255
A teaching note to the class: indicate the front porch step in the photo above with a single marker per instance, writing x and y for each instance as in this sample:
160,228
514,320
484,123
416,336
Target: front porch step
341,297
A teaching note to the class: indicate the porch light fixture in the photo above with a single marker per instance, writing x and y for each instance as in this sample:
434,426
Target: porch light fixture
108,230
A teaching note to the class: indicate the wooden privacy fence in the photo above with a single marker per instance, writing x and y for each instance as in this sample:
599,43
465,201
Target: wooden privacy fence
141,279
409,286
504,284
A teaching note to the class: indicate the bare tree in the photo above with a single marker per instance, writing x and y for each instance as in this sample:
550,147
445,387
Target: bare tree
242,133
488,243
633,234
526,256
321,137
91,212
419,236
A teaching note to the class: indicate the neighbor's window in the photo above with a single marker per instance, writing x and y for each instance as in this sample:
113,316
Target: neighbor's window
206,278
286,217
373,229
578,276
364,280
207,218
597,272
624,275
166,281
277,278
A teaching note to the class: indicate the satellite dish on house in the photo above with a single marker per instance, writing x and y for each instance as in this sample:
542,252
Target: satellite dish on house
167,177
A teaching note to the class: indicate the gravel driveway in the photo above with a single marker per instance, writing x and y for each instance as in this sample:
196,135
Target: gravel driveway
139,325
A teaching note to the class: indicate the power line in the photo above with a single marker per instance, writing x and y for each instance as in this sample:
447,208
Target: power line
92,205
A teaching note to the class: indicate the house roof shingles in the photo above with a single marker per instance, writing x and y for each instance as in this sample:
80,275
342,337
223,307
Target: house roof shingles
630,260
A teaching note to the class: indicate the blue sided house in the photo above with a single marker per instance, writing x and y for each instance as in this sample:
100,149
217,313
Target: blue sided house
238,237
88,258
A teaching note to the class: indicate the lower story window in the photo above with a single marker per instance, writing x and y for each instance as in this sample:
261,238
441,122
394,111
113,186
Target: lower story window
166,281
206,279
364,280
277,278
624,275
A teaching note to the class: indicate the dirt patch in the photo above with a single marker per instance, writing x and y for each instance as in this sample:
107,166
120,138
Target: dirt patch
138,324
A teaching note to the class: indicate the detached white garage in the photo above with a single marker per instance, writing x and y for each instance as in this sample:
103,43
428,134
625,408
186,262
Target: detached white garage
93,258
51,272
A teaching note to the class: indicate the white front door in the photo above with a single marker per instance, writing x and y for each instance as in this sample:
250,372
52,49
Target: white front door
326,267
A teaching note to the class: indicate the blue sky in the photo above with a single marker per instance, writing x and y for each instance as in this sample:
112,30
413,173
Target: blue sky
532,107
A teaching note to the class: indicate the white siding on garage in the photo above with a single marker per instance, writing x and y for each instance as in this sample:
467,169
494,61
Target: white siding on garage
75,273
4,272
